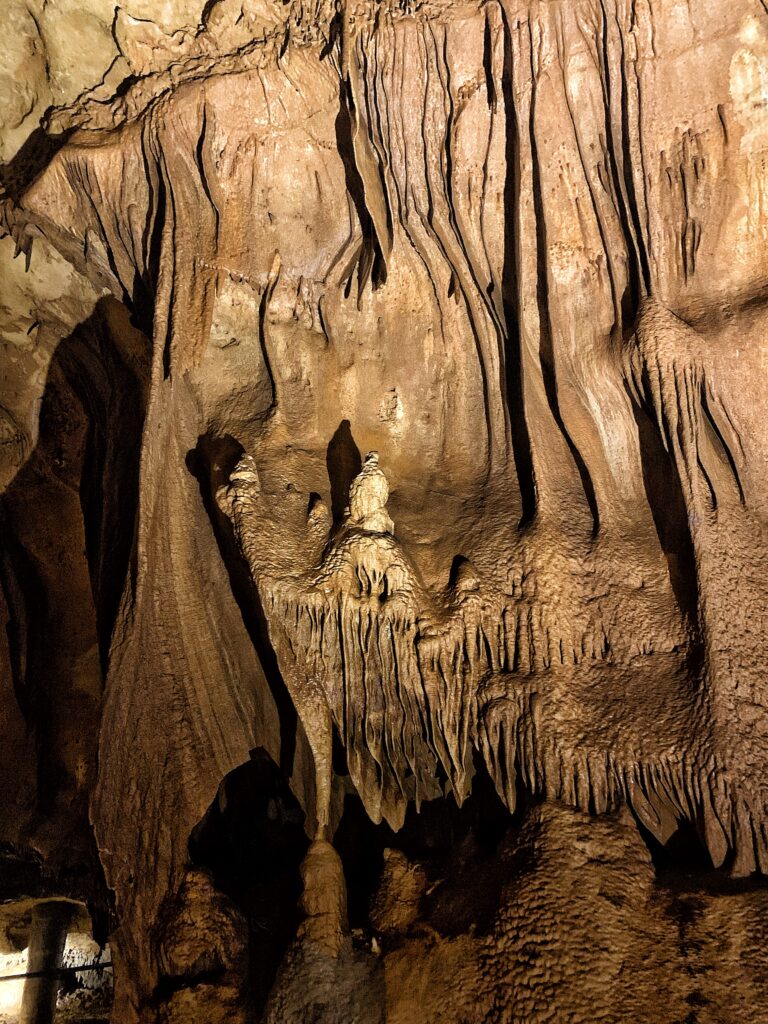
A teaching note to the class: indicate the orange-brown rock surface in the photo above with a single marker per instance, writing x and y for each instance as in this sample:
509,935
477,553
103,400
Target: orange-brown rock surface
384,469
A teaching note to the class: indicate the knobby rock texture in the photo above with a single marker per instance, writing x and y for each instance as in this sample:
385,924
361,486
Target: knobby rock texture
383,543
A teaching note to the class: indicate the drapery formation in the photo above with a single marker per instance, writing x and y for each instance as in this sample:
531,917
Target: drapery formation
502,247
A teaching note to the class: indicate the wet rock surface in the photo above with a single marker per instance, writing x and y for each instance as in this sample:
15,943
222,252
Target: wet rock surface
382,531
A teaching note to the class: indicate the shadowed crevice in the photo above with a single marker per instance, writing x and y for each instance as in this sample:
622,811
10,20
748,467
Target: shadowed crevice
253,841
343,462
30,161
522,447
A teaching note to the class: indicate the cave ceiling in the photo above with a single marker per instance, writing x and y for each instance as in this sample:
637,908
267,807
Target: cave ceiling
383,408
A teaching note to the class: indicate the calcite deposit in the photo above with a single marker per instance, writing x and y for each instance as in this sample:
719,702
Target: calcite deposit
384,468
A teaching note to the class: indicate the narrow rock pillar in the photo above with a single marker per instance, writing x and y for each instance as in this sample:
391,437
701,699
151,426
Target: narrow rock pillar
47,937
324,899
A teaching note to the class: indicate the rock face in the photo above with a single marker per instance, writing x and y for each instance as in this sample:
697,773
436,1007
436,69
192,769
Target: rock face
472,727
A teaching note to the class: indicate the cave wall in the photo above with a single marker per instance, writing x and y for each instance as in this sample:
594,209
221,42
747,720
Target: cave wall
516,251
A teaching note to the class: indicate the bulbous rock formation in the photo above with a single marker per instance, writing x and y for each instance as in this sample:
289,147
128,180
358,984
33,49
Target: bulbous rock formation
471,729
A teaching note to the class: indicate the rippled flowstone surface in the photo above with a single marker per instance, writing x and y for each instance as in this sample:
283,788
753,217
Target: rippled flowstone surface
382,530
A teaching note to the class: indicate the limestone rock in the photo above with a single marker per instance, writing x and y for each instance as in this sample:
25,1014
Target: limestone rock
368,496
472,727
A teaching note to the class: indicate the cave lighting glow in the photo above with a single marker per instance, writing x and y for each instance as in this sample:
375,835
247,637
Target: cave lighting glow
11,992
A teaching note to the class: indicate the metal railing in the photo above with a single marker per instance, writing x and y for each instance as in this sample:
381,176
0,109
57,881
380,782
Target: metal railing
56,972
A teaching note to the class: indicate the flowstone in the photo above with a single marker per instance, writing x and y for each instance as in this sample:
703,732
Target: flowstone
490,695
